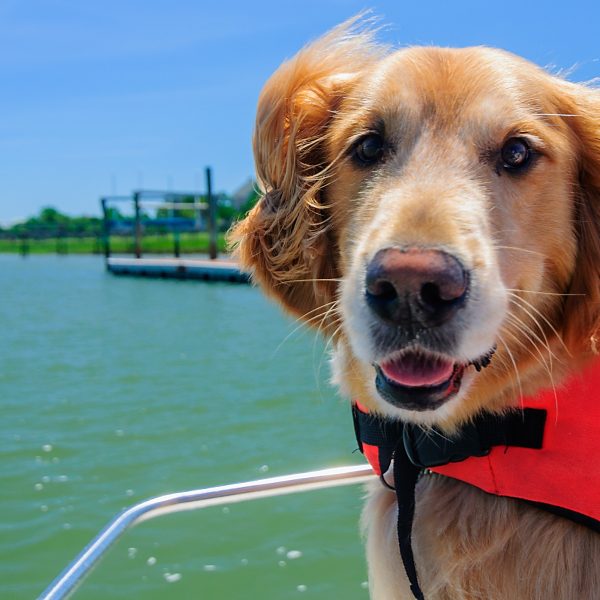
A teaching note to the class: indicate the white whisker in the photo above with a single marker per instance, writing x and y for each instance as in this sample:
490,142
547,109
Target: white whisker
555,115
514,364
526,250
538,356
548,369
529,332
302,323
541,293
552,328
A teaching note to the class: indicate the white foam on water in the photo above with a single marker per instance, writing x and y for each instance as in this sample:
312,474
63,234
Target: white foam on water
151,561
209,568
38,487
263,468
293,554
132,552
172,577
281,550
301,587
282,563
47,447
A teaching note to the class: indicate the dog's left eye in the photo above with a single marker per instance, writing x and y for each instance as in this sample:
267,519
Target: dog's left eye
369,149
515,154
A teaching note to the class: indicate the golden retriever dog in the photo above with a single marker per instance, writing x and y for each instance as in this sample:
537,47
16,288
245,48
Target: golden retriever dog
429,208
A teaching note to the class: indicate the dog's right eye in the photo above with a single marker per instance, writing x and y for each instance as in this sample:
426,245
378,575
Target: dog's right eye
368,150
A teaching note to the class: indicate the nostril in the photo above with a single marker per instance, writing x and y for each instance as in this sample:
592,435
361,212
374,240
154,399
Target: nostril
383,290
382,298
430,295
432,299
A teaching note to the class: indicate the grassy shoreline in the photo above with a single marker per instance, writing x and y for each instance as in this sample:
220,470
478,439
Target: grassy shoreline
189,243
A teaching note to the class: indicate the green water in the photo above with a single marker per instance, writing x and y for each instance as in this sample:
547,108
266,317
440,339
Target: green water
113,390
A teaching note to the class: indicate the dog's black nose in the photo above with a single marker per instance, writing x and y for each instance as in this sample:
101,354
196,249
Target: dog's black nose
414,286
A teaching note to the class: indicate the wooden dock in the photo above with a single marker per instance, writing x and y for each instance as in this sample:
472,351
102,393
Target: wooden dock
178,268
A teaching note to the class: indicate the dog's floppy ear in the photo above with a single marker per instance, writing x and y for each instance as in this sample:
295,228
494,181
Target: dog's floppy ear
286,239
582,309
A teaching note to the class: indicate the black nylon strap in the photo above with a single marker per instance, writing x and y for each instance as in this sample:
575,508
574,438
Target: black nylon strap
431,448
373,430
405,479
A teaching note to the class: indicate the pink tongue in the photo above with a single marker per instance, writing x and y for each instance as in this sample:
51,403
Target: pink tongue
417,370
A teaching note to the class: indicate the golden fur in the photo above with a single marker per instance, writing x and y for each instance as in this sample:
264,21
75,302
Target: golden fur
532,242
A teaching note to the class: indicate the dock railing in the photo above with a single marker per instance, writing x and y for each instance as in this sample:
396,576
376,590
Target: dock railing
67,582
161,212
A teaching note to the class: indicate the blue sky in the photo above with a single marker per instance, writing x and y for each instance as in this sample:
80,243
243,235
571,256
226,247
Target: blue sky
101,97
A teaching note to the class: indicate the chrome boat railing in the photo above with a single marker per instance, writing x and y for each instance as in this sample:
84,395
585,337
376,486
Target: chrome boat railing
66,583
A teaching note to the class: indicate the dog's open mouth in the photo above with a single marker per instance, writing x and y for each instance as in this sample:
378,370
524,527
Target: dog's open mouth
421,380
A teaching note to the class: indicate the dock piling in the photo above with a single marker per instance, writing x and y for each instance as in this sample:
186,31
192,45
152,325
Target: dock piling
105,230
212,216
138,225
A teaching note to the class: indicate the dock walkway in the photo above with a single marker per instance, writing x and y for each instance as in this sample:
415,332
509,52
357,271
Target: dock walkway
222,269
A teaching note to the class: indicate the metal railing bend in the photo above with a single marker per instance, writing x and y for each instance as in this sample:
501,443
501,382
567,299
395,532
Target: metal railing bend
66,583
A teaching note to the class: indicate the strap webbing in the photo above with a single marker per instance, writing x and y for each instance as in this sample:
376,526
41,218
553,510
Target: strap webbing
405,479
431,448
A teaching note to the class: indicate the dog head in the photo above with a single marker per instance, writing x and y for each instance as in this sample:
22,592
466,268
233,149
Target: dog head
434,210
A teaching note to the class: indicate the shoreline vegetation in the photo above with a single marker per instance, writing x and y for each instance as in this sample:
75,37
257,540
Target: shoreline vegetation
174,230
189,243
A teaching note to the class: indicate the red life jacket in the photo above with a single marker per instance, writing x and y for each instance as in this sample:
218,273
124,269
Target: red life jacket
561,470
545,453
565,471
